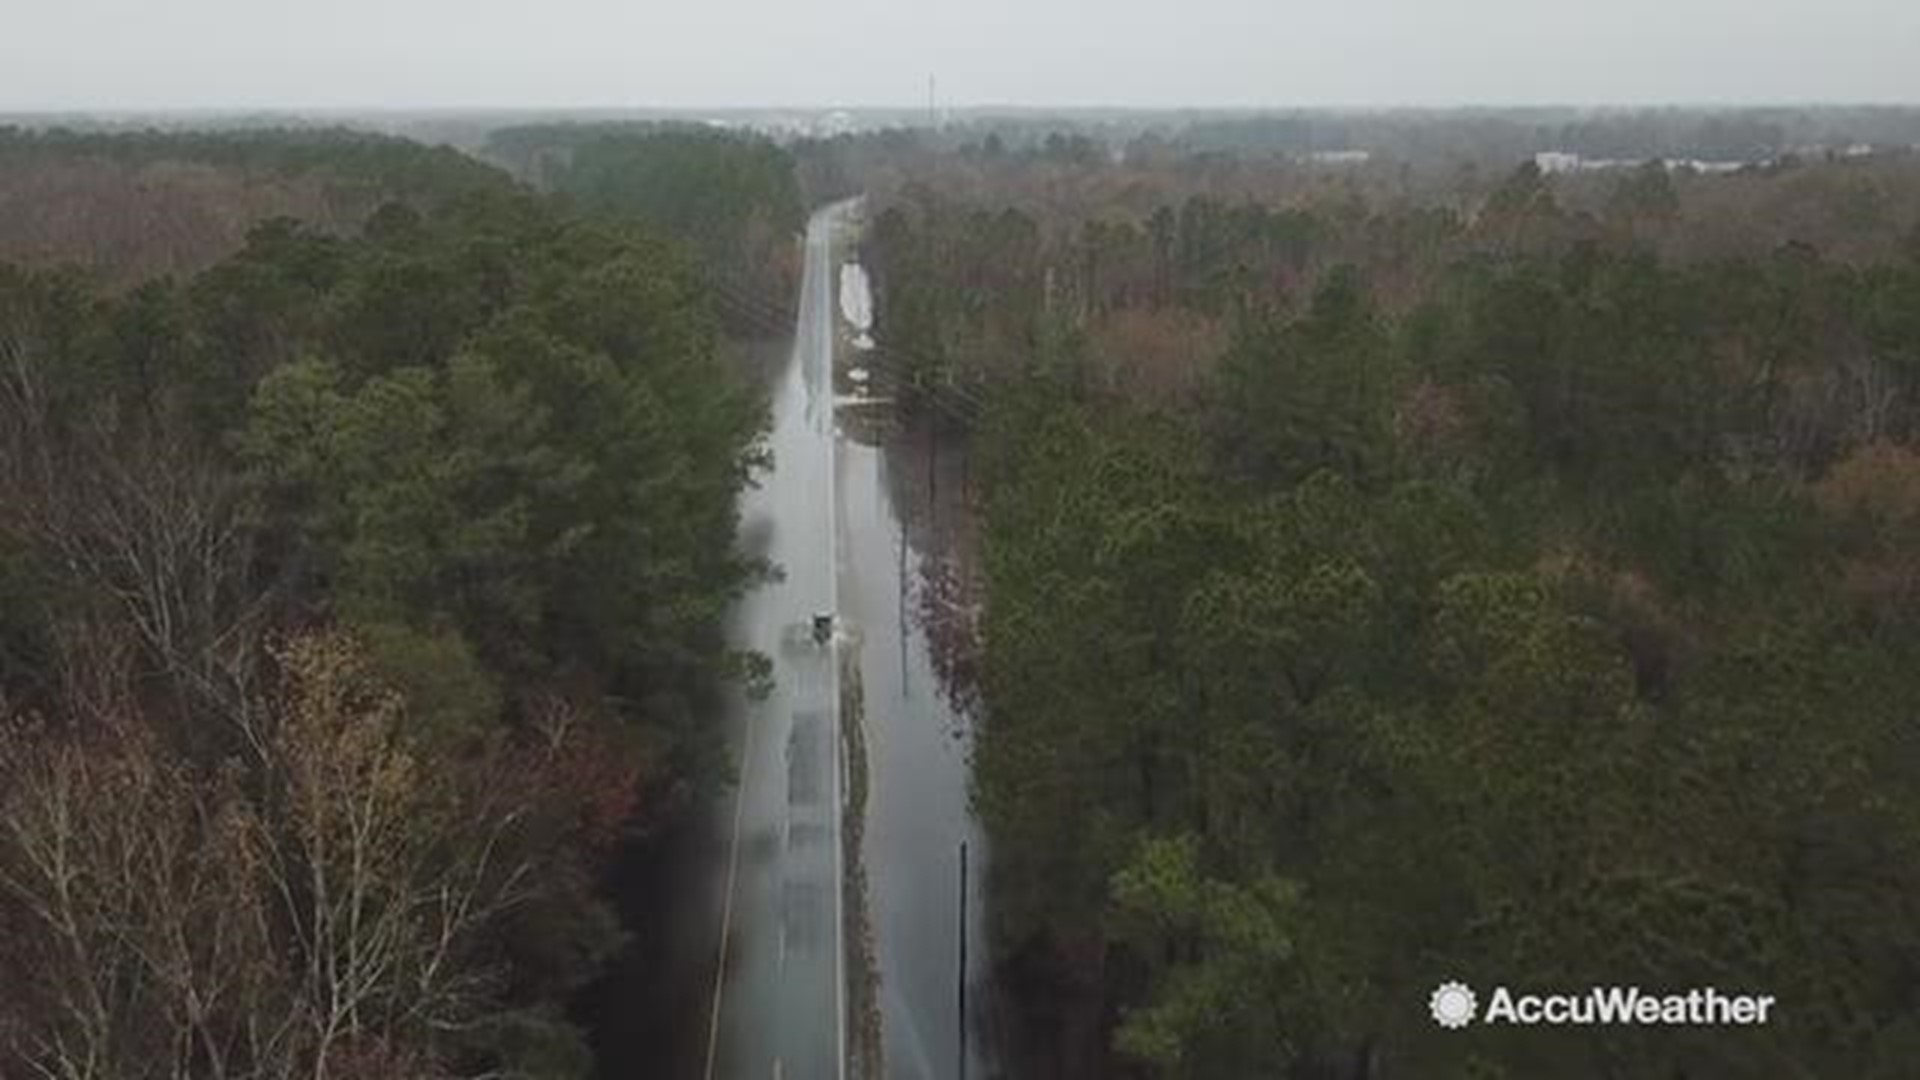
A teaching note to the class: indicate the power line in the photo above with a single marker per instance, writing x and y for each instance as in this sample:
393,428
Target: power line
896,365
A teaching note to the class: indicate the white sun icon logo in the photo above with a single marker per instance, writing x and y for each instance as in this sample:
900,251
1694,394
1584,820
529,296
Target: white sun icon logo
1452,1005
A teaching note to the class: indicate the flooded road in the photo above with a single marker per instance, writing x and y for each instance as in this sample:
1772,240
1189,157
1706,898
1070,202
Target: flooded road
833,514
779,998
917,746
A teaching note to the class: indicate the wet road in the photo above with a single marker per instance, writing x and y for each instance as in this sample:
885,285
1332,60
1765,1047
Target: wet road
833,514
779,997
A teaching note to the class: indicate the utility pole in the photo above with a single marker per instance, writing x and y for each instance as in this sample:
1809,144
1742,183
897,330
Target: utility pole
962,1027
933,117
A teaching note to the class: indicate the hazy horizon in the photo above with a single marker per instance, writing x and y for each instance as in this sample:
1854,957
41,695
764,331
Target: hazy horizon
433,55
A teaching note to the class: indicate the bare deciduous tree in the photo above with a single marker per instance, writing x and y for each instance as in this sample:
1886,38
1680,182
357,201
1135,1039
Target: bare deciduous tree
142,524
319,913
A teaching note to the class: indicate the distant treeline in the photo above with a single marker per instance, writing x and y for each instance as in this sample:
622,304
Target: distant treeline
732,197
395,166
135,206
359,597
1426,137
1504,134
1147,266
1381,594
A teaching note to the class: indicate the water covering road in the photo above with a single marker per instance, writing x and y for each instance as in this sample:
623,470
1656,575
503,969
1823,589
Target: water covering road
832,515
917,743
779,997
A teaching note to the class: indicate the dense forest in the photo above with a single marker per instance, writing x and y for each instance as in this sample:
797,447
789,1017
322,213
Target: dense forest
733,198
1516,587
359,598
132,206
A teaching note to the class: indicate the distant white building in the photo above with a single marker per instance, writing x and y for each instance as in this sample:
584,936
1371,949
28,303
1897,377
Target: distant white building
1708,167
1339,157
1556,161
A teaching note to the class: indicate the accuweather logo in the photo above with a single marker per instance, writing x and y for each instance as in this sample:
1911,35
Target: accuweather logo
1454,1006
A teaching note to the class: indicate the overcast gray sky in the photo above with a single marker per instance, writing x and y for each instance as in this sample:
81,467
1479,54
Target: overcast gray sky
355,53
